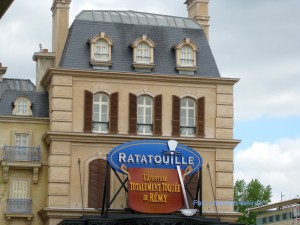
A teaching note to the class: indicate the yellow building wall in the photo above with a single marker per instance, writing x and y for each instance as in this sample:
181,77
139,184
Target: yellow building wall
67,142
37,191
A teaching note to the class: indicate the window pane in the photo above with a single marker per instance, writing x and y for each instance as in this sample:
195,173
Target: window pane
96,97
191,103
183,102
104,109
148,100
148,111
96,117
140,119
104,118
191,113
191,122
104,98
96,108
104,127
148,129
140,111
183,112
148,119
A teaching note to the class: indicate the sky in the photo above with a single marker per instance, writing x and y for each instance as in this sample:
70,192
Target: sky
257,41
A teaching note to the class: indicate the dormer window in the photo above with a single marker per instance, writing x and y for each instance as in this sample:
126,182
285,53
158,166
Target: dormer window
22,107
143,54
186,57
101,51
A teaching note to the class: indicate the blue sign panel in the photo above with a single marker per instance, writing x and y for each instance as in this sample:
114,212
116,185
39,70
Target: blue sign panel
154,154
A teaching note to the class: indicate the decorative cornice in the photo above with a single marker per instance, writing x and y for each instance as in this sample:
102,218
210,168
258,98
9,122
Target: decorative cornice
170,78
24,119
119,139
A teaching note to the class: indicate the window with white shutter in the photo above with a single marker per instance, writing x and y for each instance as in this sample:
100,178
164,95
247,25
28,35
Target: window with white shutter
20,189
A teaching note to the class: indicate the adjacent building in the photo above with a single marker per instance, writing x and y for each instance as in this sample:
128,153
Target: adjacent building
279,213
111,78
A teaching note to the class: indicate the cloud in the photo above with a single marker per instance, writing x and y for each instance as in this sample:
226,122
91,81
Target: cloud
275,164
258,42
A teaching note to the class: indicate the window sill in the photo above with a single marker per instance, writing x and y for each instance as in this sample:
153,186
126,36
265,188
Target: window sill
186,70
100,132
143,67
145,134
100,65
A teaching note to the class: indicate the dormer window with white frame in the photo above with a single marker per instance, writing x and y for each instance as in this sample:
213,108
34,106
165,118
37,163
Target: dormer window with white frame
22,107
101,51
186,53
143,54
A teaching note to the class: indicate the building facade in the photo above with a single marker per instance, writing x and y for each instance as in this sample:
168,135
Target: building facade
280,213
111,78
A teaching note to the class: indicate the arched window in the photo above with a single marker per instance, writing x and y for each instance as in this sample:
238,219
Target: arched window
101,51
143,54
144,114
100,112
187,117
97,174
22,107
186,57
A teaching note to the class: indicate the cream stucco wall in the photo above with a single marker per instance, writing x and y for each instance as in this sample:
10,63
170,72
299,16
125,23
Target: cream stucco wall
67,142
37,189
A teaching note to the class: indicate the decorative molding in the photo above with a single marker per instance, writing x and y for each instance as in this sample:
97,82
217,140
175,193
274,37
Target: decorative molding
5,170
21,165
23,119
112,75
35,175
96,138
27,216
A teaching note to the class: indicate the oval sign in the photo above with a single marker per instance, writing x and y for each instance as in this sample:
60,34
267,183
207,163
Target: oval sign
154,154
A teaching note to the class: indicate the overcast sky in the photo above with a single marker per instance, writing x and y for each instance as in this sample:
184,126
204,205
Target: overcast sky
257,41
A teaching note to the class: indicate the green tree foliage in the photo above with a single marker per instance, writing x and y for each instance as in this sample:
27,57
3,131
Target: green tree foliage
248,196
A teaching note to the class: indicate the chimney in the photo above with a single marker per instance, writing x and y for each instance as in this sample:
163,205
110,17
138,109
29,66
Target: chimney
2,72
198,11
44,60
60,27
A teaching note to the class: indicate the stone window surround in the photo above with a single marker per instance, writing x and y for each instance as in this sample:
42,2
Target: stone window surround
16,103
92,41
134,45
178,47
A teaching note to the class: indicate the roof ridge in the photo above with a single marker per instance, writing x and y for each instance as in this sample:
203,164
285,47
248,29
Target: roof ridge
133,11
137,18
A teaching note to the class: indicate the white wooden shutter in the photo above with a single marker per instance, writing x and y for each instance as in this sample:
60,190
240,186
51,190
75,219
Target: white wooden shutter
20,189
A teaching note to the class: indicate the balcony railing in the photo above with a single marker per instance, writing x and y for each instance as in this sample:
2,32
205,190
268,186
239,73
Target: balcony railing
19,206
18,153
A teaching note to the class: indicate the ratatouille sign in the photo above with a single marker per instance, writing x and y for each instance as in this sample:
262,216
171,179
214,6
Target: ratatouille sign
153,181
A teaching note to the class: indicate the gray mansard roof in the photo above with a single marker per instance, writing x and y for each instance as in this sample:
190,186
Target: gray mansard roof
124,27
11,89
